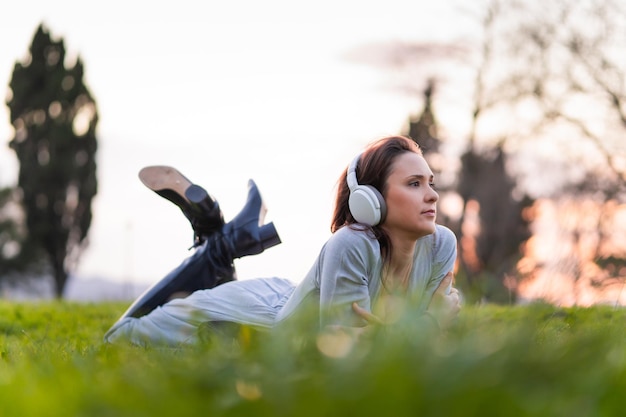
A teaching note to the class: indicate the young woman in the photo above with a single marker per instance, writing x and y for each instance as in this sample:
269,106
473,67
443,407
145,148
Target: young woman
385,247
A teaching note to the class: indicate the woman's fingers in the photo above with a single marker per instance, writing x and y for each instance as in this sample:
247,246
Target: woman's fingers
446,302
445,284
365,315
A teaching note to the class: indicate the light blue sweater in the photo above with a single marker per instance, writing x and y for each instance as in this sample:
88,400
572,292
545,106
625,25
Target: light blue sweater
349,269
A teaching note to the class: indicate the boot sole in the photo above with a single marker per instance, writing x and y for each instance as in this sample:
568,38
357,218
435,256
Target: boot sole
164,180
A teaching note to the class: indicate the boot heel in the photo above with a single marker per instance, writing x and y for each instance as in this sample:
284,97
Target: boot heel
208,217
269,236
196,194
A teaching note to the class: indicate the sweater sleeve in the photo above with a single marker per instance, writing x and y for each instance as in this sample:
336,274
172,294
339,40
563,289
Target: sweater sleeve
345,269
444,257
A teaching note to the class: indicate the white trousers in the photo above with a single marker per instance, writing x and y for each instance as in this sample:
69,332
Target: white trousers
253,302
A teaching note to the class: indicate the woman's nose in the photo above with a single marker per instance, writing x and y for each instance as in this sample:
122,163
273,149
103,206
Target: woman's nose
433,195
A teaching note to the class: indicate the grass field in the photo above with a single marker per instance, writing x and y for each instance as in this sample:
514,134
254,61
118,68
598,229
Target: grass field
535,360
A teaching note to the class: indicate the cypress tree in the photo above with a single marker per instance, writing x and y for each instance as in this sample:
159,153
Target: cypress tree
54,116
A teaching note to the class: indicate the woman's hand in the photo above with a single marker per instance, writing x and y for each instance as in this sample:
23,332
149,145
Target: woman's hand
358,332
445,306
366,315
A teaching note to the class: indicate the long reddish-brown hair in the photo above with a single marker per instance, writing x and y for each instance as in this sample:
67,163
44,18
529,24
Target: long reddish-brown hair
373,168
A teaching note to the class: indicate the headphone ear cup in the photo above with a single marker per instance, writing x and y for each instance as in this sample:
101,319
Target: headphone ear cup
367,205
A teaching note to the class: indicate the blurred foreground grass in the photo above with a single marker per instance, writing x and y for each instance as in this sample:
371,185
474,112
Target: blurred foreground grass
535,360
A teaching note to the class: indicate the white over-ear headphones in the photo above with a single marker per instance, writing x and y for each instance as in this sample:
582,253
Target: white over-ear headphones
366,203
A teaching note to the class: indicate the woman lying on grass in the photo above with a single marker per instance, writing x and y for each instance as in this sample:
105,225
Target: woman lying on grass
385,249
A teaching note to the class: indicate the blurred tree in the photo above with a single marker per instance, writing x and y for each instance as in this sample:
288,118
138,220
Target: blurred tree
554,71
490,245
9,244
55,118
423,128
17,257
491,248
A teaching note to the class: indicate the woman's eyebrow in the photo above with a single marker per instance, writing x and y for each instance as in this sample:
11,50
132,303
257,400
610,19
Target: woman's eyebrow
421,177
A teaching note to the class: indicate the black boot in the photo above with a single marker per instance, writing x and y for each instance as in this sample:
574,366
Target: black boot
202,210
212,263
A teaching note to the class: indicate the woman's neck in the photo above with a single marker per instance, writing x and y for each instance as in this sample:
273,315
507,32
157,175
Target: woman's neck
401,263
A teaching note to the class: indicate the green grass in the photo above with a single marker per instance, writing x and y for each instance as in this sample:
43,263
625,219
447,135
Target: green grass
535,360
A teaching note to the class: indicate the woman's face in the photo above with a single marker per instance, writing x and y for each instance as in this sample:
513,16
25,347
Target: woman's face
410,197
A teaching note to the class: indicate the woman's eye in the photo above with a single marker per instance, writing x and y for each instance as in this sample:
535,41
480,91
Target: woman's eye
433,185
414,184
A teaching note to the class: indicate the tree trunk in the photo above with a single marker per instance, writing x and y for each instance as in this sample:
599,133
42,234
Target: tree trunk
60,278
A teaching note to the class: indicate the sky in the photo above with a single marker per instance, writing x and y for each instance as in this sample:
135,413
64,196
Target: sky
225,92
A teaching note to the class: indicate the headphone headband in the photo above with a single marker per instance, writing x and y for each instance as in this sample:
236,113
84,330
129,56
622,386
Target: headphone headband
351,174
